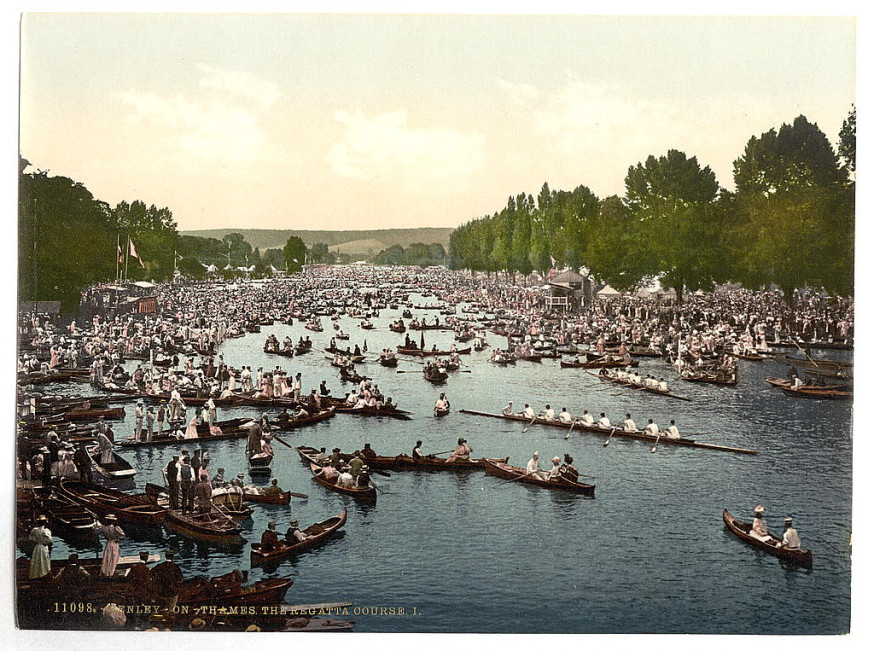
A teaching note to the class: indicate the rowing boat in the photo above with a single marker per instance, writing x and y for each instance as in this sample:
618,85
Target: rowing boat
783,383
600,363
831,364
66,516
234,428
742,530
295,423
367,493
105,501
640,387
316,535
428,462
279,499
818,393
512,473
212,527
116,473
618,433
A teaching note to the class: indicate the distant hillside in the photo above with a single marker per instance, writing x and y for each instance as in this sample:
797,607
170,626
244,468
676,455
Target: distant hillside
352,242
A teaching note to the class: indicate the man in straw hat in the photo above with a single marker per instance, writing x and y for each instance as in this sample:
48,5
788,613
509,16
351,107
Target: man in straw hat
790,536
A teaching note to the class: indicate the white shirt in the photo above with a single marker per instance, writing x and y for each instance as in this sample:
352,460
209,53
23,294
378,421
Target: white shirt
604,422
652,429
549,414
629,425
529,412
588,419
565,417
673,432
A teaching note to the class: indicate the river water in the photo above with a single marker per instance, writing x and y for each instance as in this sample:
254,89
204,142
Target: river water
471,553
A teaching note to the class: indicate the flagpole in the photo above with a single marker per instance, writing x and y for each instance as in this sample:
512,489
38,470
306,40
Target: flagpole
126,256
117,251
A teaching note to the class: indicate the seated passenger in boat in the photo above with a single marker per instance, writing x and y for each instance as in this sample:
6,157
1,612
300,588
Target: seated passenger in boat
587,418
269,539
294,535
568,470
508,410
628,425
790,536
565,416
273,489
673,432
651,428
759,528
462,451
555,471
604,421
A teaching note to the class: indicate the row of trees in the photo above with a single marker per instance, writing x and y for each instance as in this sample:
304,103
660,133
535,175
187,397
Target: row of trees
417,254
790,221
69,240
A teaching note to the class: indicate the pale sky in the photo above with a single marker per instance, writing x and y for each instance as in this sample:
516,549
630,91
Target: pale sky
387,121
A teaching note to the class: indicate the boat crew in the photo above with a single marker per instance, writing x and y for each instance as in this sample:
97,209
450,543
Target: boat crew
604,422
269,539
555,471
548,413
508,410
759,528
651,428
662,385
565,416
568,470
673,432
462,451
587,419
528,412
533,467
417,451
628,425
790,536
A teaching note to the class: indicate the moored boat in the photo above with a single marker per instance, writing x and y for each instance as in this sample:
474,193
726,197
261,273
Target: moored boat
105,501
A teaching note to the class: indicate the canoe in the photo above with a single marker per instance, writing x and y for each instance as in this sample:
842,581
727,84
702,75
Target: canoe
710,378
742,530
104,501
617,433
213,527
430,353
317,534
508,472
640,387
113,413
67,517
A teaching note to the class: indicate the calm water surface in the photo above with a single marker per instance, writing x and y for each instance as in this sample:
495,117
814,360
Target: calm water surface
472,553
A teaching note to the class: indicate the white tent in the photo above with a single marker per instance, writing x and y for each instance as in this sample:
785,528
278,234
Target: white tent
607,291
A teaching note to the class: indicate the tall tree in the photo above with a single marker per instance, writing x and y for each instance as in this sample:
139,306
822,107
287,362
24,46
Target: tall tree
294,253
847,142
796,211
671,199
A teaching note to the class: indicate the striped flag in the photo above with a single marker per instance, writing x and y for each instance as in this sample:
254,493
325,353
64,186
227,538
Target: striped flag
119,256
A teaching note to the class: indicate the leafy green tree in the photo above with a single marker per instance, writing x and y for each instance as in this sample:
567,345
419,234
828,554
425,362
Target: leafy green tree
294,252
796,212
671,200
847,142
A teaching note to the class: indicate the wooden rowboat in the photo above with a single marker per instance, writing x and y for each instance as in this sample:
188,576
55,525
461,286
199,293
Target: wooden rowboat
66,517
117,473
366,494
616,432
279,499
316,535
406,462
104,501
742,530
213,527
818,393
512,473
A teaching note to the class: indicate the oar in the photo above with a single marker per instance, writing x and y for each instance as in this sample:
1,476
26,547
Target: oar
380,472
288,445
302,496
373,483
529,424
656,442
510,481
444,452
805,353
607,442
568,435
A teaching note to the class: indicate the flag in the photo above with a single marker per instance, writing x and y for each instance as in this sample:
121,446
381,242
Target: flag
119,256
133,253
552,260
